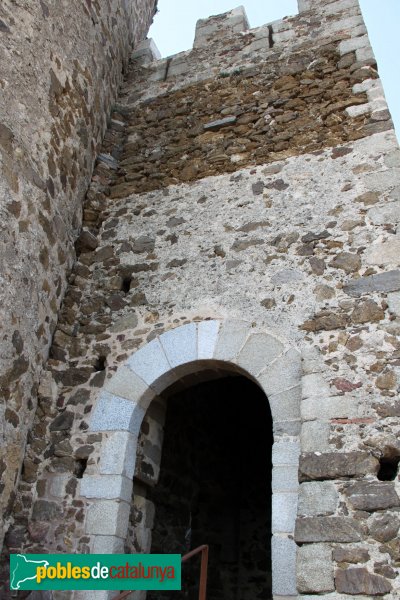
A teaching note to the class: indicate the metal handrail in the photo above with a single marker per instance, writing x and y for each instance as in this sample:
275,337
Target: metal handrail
203,572
203,568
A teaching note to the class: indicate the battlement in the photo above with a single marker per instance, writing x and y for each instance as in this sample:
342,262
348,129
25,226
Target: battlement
238,49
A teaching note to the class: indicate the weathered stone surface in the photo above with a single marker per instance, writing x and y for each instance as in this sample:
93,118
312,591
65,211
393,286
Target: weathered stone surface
367,312
215,125
372,495
350,554
63,422
360,581
393,301
86,242
315,569
46,511
384,527
328,529
383,282
144,243
331,465
387,380
317,499
390,213
383,253
347,262
325,321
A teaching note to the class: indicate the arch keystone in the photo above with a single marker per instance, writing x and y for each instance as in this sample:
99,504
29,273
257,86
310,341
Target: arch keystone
207,337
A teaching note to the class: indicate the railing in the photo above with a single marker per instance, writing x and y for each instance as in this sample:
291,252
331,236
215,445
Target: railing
203,572
203,568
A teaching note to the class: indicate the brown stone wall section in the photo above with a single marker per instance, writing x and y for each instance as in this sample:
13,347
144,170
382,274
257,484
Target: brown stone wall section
265,114
61,66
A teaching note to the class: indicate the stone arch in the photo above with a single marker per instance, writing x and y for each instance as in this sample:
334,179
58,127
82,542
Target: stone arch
199,346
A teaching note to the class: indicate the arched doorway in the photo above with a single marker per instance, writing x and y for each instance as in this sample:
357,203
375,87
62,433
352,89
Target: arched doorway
200,351
214,486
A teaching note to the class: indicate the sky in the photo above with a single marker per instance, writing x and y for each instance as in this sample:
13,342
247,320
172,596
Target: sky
174,26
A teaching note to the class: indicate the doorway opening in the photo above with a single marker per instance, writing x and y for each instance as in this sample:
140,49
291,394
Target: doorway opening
214,488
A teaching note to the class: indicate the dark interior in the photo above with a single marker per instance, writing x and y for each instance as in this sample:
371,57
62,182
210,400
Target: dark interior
215,489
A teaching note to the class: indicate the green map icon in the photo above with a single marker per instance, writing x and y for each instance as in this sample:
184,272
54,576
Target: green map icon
24,570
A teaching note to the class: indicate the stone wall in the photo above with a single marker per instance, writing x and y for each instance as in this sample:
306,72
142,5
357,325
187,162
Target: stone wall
295,231
61,70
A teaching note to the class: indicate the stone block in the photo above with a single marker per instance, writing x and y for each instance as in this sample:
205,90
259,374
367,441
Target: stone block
311,361
365,54
383,253
180,344
281,37
113,413
107,544
358,109
219,123
290,428
178,67
359,581
207,336
258,352
384,527
146,48
150,364
353,44
372,495
315,436
390,213
328,529
335,465
118,454
284,511
284,553
319,498
126,384
285,479
233,21
315,569
286,405
106,487
57,485
335,407
283,374
108,517
314,385
286,452
393,301
383,282
304,5
231,339
380,181
350,554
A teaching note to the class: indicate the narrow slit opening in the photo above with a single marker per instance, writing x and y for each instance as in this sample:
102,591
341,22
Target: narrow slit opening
388,468
80,467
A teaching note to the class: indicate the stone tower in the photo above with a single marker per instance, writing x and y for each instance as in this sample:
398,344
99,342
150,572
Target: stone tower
234,305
